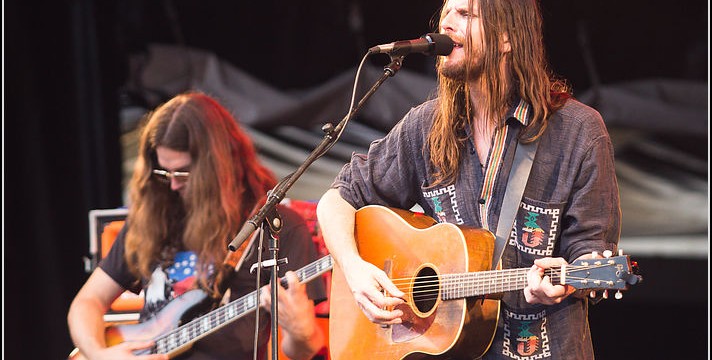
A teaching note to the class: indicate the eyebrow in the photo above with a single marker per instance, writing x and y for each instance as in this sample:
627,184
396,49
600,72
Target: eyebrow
181,169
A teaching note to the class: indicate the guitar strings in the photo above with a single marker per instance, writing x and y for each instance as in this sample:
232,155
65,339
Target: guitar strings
428,290
432,293
197,328
426,286
487,275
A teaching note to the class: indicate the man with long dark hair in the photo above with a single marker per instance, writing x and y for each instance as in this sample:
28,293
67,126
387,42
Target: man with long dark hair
452,156
196,180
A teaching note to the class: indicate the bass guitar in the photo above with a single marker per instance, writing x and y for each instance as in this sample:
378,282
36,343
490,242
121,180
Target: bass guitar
173,335
444,271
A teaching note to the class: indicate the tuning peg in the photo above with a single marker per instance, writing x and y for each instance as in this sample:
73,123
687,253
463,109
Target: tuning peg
594,254
620,252
618,295
605,294
592,294
607,253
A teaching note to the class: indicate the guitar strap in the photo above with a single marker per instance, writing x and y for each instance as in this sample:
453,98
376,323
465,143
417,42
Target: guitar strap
518,176
235,259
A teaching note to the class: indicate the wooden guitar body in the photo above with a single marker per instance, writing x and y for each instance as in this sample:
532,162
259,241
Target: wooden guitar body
414,251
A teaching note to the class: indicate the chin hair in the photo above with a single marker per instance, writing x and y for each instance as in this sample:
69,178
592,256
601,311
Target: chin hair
460,73
452,73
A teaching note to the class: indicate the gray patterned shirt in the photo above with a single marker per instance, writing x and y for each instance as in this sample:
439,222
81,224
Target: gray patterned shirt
570,208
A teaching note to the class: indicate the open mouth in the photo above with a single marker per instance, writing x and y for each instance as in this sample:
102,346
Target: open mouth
457,43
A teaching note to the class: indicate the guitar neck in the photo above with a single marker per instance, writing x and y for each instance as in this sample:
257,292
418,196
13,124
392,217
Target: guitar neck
457,286
216,319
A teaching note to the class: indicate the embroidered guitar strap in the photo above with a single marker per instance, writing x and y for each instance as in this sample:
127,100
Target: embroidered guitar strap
234,261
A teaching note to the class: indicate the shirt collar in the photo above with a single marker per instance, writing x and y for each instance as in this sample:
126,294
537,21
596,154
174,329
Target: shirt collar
521,112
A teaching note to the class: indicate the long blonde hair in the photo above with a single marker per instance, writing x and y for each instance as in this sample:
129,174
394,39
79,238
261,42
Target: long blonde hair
526,76
226,181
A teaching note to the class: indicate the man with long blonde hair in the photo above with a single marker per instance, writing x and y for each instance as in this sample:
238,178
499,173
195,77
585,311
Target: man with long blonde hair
195,182
452,156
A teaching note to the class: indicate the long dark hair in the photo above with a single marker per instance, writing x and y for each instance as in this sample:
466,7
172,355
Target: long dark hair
226,181
527,75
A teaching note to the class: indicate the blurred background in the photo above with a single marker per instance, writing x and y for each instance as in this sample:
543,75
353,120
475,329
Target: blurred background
79,76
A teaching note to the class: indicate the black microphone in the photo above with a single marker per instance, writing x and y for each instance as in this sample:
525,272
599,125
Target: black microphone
428,44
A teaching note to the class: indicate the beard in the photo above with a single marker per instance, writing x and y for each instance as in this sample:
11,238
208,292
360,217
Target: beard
459,72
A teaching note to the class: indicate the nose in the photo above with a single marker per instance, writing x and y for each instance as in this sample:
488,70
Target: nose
176,184
446,23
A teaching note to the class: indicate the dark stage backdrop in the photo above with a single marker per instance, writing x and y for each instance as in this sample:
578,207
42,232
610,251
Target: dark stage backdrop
66,62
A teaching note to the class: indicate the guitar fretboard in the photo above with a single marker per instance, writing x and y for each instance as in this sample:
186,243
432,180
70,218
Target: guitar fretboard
214,320
457,286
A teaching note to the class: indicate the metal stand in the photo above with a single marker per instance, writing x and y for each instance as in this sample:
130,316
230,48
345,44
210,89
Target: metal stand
271,225
276,195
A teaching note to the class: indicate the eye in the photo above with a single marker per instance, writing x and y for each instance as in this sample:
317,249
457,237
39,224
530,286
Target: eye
465,13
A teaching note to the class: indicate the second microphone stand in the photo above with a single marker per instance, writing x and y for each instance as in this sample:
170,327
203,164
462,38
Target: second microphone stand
276,195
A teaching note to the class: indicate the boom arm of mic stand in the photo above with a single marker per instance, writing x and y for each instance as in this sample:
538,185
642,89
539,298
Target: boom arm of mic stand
332,134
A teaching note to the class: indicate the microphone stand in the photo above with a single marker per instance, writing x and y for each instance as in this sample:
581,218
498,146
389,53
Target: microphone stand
276,195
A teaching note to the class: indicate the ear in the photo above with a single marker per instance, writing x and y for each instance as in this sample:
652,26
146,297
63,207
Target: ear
504,44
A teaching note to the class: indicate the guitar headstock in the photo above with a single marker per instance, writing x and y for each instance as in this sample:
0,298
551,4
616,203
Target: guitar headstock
607,273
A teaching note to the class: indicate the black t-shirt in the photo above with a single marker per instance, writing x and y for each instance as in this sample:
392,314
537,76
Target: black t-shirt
234,341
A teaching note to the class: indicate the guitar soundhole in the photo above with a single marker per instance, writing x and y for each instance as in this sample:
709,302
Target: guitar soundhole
426,289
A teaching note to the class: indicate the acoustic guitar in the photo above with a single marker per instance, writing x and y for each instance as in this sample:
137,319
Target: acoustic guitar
174,332
444,271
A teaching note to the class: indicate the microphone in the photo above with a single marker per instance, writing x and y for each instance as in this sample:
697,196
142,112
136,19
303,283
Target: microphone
428,44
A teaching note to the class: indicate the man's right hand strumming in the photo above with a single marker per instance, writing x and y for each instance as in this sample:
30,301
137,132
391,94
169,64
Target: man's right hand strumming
373,291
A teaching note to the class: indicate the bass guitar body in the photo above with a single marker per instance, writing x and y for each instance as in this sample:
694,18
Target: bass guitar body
176,312
179,324
414,250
